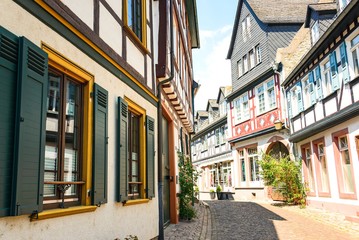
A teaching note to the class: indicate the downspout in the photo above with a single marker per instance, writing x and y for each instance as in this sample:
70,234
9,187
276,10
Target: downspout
160,130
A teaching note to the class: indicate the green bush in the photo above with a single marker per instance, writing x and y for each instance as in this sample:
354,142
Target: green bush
219,188
187,177
284,175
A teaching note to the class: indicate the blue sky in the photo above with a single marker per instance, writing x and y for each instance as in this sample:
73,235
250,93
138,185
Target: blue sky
211,69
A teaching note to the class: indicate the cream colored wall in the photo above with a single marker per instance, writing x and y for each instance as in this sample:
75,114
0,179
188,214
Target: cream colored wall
110,31
353,130
83,9
111,220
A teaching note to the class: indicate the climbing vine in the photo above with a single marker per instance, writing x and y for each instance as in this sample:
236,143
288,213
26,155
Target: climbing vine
187,178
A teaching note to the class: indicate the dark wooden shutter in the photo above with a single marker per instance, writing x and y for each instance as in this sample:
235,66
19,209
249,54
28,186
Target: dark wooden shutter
30,129
122,151
150,156
99,157
8,75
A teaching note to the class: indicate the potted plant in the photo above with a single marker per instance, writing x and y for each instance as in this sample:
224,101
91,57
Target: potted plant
212,194
219,192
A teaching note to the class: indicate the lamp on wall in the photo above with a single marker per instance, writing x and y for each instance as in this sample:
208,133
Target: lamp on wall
278,124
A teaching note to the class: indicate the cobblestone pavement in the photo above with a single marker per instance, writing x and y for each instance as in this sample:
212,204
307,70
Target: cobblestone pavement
197,228
250,220
222,220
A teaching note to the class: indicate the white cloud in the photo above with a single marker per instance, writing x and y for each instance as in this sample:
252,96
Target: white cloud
211,68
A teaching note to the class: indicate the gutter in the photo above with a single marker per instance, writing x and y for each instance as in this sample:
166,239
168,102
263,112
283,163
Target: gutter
160,130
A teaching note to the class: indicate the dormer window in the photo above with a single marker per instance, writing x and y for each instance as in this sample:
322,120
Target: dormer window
315,32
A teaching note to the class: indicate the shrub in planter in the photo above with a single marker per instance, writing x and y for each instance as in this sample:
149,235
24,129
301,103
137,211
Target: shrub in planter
284,175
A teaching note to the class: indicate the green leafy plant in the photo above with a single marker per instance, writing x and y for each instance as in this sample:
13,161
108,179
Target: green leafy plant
284,175
218,188
187,178
211,190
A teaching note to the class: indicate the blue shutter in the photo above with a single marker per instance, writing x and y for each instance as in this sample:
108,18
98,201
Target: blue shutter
344,61
122,152
299,97
289,104
99,156
319,83
334,71
311,88
150,155
30,129
8,71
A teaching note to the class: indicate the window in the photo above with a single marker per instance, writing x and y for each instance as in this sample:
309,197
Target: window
253,164
308,167
240,68
308,94
261,100
322,168
354,49
135,154
295,101
258,54
315,32
251,59
245,64
318,81
344,62
241,108
266,97
135,14
343,4
327,84
63,139
243,165
246,28
344,165
226,174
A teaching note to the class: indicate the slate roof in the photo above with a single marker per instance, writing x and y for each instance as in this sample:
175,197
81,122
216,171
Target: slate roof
213,103
272,12
280,11
320,7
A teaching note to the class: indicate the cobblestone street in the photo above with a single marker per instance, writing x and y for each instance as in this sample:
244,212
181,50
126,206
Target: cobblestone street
222,220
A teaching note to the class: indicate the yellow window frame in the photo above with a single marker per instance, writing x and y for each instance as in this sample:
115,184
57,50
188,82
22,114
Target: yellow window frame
58,61
135,108
143,42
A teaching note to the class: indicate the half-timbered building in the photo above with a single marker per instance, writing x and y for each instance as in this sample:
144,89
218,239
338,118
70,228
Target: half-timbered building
211,152
256,102
323,111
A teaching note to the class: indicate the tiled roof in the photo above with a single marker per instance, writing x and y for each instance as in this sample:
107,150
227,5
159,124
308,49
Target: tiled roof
280,11
323,7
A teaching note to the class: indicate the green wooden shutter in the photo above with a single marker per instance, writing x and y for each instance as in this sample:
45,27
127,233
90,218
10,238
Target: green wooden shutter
334,71
99,157
122,151
150,156
318,80
344,62
30,129
8,75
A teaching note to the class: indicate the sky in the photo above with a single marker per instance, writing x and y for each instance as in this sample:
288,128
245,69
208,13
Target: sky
211,68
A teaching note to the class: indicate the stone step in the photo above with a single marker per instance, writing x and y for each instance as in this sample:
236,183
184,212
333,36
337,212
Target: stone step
352,218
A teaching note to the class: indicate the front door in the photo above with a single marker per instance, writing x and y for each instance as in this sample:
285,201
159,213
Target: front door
166,173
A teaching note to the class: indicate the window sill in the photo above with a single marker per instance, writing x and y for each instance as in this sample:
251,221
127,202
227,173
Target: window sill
60,212
135,202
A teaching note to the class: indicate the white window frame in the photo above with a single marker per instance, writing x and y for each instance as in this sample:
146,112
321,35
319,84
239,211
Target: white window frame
354,55
258,54
251,59
294,92
269,100
245,64
307,89
240,68
315,32
327,87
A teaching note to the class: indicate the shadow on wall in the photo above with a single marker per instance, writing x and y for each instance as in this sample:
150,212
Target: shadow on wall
242,220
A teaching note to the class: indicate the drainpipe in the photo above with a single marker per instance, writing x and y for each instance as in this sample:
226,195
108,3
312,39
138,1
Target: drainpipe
160,130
